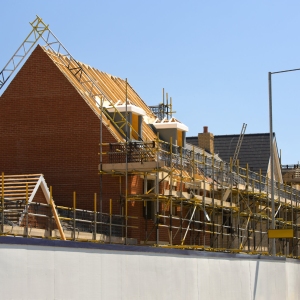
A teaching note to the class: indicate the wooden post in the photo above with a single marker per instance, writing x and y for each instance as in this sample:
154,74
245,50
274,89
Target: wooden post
110,218
26,225
74,215
95,218
56,218
2,205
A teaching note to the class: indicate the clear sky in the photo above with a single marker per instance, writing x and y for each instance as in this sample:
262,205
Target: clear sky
212,57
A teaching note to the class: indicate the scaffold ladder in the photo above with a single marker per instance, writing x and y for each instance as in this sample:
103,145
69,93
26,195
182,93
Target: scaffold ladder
239,144
235,157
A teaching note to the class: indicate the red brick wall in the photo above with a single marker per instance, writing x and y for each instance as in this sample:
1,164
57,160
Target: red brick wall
36,221
46,127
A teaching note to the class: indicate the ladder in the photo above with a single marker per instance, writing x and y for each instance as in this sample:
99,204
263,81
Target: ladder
235,157
239,144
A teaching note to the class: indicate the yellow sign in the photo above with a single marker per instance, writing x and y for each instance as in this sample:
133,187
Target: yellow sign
280,233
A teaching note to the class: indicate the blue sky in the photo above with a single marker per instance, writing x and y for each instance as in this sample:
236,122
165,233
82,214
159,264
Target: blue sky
212,57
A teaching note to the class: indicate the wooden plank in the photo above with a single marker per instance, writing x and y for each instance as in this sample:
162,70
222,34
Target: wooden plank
6,195
19,185
24,180
16,189
57,221
22,175
14,198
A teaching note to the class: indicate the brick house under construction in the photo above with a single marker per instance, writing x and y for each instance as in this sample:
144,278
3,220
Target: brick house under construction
54,129
89,132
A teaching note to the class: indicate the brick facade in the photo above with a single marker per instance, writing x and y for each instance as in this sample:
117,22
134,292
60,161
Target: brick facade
47,127
206,140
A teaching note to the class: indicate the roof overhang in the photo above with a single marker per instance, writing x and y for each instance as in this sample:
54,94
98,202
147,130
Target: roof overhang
130,108
169,124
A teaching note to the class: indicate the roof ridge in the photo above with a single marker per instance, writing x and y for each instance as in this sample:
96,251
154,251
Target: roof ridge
237,134
246,134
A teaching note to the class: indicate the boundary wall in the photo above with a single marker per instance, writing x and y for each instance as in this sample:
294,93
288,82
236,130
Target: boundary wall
47,269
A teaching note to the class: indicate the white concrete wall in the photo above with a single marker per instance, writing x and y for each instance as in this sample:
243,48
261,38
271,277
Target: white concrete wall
45,272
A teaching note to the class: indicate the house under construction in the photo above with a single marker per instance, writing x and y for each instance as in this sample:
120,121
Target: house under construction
121,171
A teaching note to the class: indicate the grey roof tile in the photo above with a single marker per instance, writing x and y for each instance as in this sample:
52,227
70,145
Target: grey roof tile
255,149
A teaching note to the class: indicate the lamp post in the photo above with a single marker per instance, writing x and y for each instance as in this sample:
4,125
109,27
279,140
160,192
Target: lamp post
271,151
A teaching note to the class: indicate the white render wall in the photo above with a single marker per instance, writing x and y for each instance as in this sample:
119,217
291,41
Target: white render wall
47,272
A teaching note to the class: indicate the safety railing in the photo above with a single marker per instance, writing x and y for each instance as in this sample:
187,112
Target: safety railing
135,152
194,160
36,219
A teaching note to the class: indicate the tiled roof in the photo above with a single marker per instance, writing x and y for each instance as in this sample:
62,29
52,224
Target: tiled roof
255,149
193,140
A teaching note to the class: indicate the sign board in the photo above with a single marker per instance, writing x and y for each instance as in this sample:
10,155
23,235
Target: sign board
280,233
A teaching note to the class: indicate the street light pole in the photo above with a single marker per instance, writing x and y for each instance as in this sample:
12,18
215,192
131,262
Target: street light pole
272,162
272,152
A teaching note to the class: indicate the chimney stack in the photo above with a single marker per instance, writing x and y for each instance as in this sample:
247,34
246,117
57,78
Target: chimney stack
206,140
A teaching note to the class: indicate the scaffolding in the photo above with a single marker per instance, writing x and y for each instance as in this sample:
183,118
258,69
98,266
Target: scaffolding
164,109
188,198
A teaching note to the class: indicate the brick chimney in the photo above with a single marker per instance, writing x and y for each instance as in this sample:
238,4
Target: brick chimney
206,140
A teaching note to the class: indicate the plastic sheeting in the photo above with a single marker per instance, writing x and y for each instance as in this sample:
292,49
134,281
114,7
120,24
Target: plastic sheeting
45,272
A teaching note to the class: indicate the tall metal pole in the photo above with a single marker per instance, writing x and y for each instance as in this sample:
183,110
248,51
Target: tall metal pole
95,217
74,216
272,151
2,205
163,112
26,209
126,163
272,162
157,190
171,192
101,162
